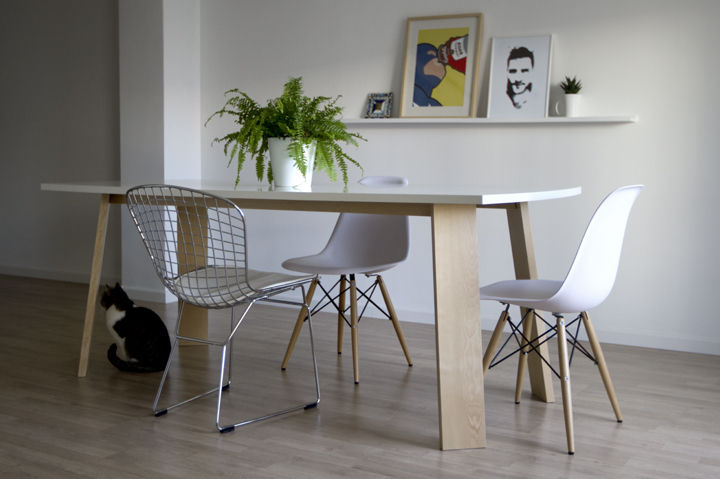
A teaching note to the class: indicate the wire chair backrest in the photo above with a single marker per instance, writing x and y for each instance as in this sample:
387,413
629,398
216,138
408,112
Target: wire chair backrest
594,269
196,241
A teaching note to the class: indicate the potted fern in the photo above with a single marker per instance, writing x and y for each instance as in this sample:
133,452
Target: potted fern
572,87
305,131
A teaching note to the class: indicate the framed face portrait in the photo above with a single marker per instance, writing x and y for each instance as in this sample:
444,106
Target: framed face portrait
519,77
440,73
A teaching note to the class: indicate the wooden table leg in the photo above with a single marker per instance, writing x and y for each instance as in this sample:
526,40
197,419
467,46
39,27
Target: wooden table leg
94,286
461,400
523,252
192,222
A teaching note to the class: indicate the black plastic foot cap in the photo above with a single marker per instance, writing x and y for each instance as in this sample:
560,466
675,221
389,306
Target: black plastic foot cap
311,406
409,365
357,382
226,387
227,429
161,413
282,369
517,402
571,453
620,421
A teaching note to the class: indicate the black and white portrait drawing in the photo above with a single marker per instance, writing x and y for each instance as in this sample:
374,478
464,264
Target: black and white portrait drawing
519,77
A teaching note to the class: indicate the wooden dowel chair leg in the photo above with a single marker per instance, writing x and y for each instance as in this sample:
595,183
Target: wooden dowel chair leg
341,313
565,384
602,366
299,324
394,319
494,340
529,318
354,328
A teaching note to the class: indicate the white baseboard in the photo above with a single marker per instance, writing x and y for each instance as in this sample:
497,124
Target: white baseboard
649,340
153,296
55,275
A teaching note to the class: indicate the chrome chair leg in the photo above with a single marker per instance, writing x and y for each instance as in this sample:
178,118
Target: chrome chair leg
311,405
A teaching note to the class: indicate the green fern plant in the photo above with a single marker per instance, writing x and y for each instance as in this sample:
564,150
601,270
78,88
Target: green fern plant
571,85
292,115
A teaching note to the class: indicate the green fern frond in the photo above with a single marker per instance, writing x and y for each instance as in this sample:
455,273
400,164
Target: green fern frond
292,115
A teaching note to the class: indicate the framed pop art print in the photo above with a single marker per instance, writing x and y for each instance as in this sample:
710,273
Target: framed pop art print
519,77
440,74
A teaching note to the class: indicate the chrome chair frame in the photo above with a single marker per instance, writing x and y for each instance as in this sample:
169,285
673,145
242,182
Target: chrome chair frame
197,244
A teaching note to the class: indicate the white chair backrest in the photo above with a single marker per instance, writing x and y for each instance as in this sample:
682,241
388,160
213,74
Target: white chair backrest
367,240
363,240
383,181
593,271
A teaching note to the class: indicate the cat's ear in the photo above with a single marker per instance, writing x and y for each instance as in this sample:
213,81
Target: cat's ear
117,285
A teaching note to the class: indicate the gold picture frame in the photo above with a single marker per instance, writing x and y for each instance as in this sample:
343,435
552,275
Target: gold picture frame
441,67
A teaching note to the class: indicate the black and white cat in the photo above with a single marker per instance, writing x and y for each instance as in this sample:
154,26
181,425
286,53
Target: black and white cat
142,343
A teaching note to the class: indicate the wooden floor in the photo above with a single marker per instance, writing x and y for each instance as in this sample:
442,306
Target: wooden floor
55,425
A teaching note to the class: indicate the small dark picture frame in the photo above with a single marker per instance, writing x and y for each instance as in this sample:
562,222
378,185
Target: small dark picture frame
379,105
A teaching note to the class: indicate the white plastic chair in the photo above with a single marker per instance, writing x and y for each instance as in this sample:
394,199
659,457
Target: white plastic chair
587,284
360,244
197,244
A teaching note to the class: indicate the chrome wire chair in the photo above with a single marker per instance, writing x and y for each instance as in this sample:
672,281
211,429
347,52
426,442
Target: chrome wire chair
198,247
587,284
365,244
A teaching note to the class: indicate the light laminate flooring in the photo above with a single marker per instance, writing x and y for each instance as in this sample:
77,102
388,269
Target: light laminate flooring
55,425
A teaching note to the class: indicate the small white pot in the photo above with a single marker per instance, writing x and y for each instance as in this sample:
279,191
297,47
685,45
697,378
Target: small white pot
573,104
285,173
569,106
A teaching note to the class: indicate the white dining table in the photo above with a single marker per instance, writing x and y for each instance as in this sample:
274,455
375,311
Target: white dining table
452,209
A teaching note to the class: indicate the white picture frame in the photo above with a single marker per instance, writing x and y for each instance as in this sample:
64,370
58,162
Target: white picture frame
519,77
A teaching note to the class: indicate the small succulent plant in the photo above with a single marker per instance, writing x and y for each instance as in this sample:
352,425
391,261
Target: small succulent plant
571,85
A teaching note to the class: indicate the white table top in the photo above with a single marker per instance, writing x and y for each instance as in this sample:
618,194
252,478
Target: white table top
480,195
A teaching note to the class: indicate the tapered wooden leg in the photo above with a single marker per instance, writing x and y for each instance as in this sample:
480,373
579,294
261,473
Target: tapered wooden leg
523,251
565,384
192,222
494,340
341,313
458,328
523,356
299,323
602,366
394,319
96,269
354,328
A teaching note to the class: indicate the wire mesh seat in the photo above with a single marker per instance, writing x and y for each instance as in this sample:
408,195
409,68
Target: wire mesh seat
367,244
198,246
587,284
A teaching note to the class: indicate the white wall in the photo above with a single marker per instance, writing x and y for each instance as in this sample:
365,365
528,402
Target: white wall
653,58
159,113
650,58
58,122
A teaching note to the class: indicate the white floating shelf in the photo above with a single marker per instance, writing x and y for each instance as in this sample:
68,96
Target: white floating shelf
491,121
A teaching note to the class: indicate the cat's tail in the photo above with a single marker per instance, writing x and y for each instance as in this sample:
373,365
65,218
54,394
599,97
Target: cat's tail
129,367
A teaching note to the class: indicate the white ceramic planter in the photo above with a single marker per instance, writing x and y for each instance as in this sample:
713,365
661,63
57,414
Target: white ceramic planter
285,173
573,104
